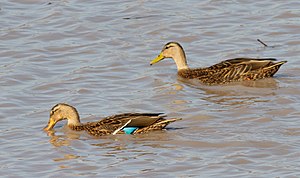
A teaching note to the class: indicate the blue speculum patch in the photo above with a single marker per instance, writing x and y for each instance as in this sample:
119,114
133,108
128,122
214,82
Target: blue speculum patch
129,130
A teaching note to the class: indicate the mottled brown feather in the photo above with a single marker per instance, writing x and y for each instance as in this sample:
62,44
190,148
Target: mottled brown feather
239,69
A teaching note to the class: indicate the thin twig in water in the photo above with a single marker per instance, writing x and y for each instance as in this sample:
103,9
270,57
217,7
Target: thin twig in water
262,43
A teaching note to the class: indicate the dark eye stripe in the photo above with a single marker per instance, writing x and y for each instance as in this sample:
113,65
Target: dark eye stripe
53,111
168,47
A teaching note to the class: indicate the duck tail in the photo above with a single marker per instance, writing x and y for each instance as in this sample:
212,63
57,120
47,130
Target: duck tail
276,65
272,69
168,121
159,125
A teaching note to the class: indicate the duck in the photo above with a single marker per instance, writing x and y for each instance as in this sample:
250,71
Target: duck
231,70
126,123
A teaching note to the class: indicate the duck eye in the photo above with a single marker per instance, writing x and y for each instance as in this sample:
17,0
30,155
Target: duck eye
52,112
168,47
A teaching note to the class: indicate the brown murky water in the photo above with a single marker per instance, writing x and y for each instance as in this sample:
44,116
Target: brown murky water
95,56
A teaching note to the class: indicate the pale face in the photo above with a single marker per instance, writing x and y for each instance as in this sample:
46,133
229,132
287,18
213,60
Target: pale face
170,50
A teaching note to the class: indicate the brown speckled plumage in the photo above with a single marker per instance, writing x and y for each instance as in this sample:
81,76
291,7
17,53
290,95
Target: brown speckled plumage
109,125
238,69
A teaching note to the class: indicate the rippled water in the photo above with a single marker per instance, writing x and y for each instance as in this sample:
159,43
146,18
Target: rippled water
95,56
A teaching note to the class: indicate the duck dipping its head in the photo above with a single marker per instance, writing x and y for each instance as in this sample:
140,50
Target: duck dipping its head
60,112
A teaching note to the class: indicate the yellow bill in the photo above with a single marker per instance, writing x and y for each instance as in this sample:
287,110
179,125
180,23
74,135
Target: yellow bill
157,59
50,125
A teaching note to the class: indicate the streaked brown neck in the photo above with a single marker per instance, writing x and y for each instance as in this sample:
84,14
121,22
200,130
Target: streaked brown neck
76,127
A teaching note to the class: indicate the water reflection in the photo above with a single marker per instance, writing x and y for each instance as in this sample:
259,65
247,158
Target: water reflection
113,150
66,157
58,141
270,83
242,93
63,136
